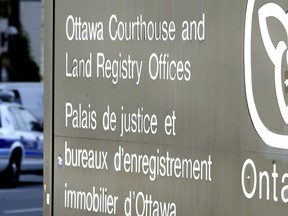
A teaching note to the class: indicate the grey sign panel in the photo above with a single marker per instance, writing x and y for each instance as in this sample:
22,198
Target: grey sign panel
166,107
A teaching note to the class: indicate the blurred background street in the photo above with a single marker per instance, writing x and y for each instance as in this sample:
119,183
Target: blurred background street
21,134
24,200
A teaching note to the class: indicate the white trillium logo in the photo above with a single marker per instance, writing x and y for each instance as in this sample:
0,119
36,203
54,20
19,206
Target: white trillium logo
276,54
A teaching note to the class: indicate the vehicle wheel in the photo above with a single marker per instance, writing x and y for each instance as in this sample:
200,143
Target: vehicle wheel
13,170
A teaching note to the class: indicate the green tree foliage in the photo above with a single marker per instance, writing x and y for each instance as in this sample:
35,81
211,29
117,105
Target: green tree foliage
24,66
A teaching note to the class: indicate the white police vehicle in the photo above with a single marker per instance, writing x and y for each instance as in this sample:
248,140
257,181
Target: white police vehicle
21,141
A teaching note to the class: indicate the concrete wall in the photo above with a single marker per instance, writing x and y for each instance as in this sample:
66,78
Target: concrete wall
31,19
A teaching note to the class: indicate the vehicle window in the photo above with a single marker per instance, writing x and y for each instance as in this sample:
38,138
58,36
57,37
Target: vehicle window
23,119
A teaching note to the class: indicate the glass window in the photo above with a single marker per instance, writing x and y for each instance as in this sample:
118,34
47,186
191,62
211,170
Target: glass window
23,119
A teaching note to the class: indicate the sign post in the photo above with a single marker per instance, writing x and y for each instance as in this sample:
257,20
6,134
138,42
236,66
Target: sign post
166,108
